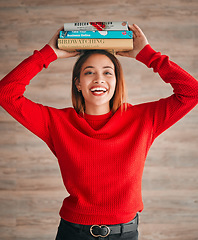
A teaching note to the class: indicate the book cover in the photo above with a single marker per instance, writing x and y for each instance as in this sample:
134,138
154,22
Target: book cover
99,26
97,34
79,44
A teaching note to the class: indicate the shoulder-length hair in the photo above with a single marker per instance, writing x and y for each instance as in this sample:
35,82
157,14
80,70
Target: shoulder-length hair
119,96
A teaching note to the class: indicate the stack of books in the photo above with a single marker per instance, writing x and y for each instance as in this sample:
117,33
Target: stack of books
112,36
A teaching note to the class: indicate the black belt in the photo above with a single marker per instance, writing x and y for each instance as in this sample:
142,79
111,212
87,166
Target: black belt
105,230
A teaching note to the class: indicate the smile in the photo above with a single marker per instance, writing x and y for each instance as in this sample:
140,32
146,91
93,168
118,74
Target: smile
98,90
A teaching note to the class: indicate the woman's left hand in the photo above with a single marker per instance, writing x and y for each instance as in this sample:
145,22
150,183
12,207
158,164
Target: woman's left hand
139,42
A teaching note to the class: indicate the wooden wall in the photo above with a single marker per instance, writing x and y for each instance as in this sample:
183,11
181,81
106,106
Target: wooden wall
31,189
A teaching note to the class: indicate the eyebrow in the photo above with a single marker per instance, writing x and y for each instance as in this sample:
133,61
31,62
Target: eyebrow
93,67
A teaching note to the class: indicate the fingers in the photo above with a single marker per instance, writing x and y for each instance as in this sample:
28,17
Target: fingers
136,30
58,31
59,52
73,54
66,54
123,53
131,28
53,41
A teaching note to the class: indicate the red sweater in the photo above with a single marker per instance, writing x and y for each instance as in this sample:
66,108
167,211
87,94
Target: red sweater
101,158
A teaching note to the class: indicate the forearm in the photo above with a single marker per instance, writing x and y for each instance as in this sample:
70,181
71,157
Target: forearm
184,85
12,86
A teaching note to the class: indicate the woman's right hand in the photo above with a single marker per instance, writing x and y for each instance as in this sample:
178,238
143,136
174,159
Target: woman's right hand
60,53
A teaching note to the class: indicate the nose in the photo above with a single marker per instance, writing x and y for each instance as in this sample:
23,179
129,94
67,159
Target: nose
99,78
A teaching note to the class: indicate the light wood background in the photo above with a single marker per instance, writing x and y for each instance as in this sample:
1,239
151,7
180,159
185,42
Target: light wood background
31,189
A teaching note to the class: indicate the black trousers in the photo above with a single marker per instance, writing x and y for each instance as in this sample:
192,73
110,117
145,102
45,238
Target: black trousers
68,232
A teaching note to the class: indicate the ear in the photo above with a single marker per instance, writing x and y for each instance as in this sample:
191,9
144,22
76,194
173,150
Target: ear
77,83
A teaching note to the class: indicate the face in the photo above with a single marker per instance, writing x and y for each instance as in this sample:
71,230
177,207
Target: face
97,83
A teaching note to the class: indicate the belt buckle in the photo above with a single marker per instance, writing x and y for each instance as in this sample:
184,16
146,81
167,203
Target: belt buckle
100,226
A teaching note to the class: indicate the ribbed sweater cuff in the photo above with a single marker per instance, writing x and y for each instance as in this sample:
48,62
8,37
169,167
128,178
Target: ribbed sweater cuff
145,55
48,55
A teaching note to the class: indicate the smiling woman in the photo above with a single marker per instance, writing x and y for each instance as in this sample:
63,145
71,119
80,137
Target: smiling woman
104,73
101,150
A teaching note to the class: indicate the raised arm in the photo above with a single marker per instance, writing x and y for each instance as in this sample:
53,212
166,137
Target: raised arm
169,110
33,116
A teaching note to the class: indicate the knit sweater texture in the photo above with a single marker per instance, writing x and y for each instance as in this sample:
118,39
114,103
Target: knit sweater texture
101,158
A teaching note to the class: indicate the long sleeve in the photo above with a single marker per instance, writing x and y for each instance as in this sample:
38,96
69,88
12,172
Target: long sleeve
32,115
169,110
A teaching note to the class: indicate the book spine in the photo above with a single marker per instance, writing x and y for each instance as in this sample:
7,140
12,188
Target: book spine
78,44
99,26
96,34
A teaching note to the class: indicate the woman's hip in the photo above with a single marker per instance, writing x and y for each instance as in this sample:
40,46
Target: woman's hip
72,231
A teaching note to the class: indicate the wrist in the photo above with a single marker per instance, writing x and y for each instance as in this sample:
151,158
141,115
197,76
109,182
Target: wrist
144,52
48,55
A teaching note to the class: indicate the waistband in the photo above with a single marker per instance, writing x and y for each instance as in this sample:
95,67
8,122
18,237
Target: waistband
106,230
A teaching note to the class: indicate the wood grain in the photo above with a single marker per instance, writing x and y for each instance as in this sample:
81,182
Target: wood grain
31,188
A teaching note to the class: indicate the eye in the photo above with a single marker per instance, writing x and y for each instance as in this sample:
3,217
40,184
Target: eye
108,73
89,73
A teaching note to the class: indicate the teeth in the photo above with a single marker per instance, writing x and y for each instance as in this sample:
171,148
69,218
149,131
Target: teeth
98,89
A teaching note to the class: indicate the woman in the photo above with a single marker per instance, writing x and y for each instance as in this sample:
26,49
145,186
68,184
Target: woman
101,143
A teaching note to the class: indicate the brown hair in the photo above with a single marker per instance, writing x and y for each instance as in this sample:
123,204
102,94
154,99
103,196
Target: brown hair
119,95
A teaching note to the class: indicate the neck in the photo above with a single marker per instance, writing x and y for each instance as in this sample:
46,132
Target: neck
97,110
